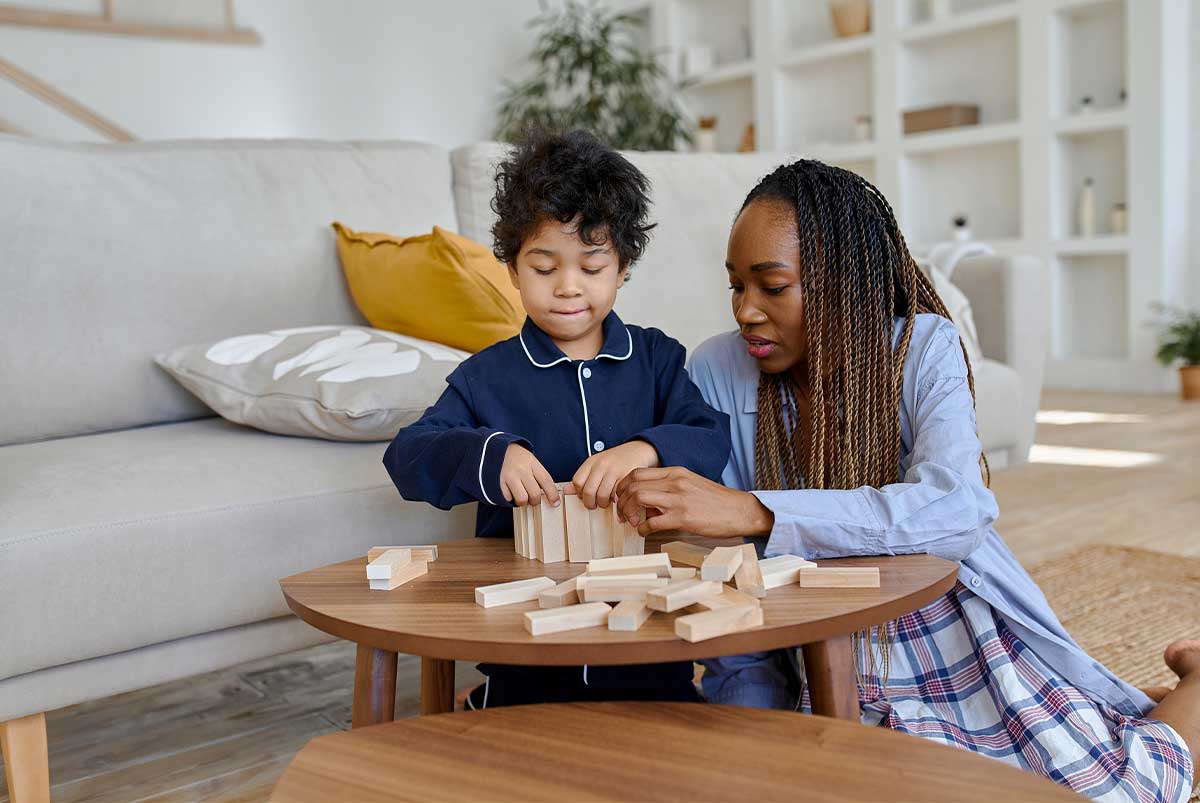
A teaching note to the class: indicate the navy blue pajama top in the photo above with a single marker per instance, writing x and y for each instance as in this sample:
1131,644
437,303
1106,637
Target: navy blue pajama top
525,390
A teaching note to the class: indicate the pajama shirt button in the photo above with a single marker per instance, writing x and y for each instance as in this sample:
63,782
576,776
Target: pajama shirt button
587,373
976,582
598,446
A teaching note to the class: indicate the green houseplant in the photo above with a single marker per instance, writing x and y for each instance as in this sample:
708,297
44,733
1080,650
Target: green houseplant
1179,341
588,72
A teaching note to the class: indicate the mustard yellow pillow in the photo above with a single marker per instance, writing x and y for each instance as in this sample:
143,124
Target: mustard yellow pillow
441,287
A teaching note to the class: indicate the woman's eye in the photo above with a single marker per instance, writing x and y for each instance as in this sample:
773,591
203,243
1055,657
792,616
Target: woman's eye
774,291
735,288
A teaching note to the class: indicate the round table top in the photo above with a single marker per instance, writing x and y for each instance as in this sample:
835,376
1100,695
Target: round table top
435,615
645,751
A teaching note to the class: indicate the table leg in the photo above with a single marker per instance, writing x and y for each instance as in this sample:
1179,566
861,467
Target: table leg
832,686
437,686
374,687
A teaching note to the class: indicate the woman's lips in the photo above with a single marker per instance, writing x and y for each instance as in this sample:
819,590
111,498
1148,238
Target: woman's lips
758,347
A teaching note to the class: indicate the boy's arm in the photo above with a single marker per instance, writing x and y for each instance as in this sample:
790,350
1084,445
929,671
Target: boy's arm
446,458
690,433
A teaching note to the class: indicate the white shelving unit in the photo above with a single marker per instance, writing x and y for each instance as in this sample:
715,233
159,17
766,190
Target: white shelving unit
1027,65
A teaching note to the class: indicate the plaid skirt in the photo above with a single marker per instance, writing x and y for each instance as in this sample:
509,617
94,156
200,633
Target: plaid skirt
958,675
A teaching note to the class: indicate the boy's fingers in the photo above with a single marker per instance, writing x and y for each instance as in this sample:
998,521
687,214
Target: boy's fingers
517,493
508,497
604,490
532,489
547,484
588,494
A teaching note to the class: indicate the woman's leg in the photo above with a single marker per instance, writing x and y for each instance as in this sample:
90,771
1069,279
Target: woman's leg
1181,707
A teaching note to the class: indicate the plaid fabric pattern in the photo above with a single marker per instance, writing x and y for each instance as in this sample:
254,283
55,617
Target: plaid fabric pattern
960,677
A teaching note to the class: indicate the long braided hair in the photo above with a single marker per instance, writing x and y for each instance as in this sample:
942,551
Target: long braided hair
857,276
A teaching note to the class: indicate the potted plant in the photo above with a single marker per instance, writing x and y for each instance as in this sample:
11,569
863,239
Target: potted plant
588,72
1179,341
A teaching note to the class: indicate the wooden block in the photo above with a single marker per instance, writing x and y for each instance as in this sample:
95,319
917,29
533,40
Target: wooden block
601,533
840,577
553,529
425,552
529,528
619,589
749,577
711,624
655,562
535,532
519,531
573,617
387,564
634,544
565,593
682,593
410,572
721,563
616,532
728,598
685,553
782,570
629,615
512,593
579,526
682,573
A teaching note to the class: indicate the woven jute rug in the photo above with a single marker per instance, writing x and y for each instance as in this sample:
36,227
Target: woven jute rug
1124,605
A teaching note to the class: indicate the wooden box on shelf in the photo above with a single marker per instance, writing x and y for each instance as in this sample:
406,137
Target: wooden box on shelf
932,118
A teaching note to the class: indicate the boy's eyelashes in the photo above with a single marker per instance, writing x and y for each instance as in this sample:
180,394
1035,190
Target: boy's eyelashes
548,271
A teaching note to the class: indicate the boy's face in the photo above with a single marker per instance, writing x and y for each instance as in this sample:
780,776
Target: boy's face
567,286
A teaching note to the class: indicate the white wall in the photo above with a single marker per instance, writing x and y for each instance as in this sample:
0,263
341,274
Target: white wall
1194,156
344,69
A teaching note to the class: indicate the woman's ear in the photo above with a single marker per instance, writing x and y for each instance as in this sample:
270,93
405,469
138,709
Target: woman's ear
512,275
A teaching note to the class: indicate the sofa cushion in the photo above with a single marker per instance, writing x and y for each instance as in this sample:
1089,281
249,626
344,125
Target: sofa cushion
115,252
120,540
997,404
344,383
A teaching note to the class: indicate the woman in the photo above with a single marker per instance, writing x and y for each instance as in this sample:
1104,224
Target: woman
852,411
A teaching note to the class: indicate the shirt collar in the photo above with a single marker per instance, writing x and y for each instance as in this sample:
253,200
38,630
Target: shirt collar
541,351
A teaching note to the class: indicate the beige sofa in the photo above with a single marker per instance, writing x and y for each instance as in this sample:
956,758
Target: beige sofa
140,537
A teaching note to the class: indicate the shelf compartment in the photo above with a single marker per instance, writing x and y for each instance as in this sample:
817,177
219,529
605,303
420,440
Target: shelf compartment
821,101
962,137
1092,316
1100,155
1088,56
723,25
733,104
938,185
965,16
724,74
1089,246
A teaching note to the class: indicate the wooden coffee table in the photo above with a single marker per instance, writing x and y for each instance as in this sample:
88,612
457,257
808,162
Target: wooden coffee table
435,617
645,751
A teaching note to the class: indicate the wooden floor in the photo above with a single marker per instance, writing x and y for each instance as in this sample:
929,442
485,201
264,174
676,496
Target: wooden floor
229,735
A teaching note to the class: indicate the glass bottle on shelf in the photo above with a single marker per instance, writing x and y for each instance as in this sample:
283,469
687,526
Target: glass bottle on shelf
1086,212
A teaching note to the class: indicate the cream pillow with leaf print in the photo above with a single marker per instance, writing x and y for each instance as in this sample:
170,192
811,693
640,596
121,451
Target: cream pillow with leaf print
346,383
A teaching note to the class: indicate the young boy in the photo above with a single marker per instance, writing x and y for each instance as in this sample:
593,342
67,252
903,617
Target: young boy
578,395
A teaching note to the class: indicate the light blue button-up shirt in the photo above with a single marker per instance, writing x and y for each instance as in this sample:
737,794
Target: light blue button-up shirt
938,505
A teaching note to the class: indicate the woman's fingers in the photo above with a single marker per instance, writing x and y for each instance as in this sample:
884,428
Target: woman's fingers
669,520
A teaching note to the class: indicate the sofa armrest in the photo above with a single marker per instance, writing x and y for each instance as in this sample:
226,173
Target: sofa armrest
1010,300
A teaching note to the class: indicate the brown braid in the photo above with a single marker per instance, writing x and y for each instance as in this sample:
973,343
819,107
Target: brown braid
857,276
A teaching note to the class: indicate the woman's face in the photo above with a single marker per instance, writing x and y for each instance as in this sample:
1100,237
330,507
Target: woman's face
763,262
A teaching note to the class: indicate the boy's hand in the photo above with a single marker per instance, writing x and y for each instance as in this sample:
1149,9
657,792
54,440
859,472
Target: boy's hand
524,480
600,473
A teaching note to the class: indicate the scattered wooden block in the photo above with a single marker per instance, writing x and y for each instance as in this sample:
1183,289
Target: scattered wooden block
782,570
629,615
681,593
425,552
721,563
685,553
728,598
406,573
512,593
682,573
840,577
748,576
579,526
619,588
573,617
565,593
553,529
656,562
387,564
711,624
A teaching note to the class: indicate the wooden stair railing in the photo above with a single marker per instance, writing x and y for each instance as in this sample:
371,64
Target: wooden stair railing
65,104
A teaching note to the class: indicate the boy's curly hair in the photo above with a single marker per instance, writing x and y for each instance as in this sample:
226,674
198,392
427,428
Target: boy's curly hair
564,176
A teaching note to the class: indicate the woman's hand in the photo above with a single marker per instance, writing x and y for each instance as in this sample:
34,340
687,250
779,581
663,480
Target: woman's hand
678,499
524,480
600,473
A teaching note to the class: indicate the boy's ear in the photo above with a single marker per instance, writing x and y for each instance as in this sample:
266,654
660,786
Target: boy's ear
512,275
622,275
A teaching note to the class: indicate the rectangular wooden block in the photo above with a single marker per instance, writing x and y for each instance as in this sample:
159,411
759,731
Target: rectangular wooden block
406,573
711,624
728,598
721,563
619,589
387,564
682,593
840,577
602,540
655,562
534,532
519,531
686,554
634,544
682,572
512,593
565,593
782,570
629,615
573,617
748,577
579,527
616,532
554,532
425,552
